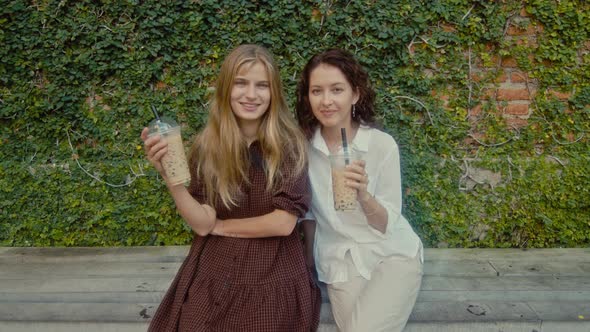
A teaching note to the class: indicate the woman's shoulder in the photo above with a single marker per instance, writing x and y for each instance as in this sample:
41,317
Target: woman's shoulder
380,141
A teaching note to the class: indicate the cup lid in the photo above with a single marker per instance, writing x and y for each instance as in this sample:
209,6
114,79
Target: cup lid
162,125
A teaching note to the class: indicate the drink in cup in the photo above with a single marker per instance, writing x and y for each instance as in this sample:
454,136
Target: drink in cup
344,196
174,161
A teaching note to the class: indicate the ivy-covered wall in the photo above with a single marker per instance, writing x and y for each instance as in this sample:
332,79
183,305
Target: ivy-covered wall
488,100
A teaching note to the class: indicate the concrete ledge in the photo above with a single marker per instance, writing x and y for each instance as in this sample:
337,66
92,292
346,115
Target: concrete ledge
119,289
411,327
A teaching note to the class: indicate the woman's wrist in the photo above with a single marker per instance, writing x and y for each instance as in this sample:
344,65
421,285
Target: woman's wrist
369,205
365,198
174,187
218,228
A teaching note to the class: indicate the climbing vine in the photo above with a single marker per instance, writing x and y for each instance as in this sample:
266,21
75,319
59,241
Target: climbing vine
76,79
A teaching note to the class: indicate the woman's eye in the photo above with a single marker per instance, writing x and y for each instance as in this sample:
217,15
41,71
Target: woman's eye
315,92
240,83
337,90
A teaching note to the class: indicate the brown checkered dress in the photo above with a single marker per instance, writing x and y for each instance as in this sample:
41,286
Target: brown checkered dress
234,284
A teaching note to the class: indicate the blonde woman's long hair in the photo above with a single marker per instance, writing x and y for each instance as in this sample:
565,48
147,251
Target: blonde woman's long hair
220,152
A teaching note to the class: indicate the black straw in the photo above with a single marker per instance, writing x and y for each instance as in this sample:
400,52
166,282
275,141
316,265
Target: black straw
155,112
345,146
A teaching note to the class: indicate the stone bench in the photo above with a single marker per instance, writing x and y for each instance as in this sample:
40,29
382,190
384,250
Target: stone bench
119,289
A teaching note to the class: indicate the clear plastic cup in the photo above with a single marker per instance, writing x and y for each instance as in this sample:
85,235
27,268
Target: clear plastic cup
344,197
174,161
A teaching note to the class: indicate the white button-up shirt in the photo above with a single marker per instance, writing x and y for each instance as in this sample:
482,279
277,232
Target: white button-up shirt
338,232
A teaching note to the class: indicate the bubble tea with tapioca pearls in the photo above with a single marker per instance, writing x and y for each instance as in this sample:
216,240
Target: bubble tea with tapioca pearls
344,196
174,161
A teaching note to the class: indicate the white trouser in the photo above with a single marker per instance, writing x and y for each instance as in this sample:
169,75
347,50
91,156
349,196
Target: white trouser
383,303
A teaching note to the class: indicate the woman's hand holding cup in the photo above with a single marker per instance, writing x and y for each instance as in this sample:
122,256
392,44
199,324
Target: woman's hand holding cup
155,149
357,178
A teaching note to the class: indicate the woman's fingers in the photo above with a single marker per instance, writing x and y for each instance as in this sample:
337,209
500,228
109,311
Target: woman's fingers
155,149
357,177
158,152
356,180
356,166
356,171
358,184
144,134
359,162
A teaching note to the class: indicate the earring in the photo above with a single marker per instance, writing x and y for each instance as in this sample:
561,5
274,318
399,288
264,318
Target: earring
353,112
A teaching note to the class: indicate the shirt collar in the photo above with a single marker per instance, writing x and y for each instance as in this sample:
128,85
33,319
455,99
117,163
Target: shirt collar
360,142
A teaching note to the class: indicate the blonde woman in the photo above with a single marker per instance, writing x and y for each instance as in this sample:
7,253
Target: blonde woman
245,270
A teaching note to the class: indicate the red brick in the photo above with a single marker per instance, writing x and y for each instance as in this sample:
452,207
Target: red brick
513,94
468,141
316,14
486,65
560,95
488,94
440,94
518,77
475,111
517,109
516,122
478,136
448,27
477,76
536,127
529,30
161,85
90,101
501,77
509,62
526,41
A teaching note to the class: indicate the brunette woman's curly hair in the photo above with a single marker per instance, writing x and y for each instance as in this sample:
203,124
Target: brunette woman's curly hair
356,76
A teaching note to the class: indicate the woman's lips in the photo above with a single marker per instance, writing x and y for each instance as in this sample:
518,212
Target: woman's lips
249,106
328,112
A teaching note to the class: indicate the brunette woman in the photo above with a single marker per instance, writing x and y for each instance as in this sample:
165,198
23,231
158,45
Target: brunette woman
370,258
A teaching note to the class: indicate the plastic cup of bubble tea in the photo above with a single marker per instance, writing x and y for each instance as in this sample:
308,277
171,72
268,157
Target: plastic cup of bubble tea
344,196
174,161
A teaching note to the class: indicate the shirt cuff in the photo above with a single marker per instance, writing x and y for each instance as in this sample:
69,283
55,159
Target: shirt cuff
308,216
392,219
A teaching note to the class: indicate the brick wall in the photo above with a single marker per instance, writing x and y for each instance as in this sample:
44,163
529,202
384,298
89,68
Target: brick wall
511,90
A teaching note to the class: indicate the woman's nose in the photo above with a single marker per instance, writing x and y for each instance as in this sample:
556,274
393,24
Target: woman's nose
251,91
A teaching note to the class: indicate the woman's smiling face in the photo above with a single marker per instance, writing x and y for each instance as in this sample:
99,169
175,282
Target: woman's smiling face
250,94
331,96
